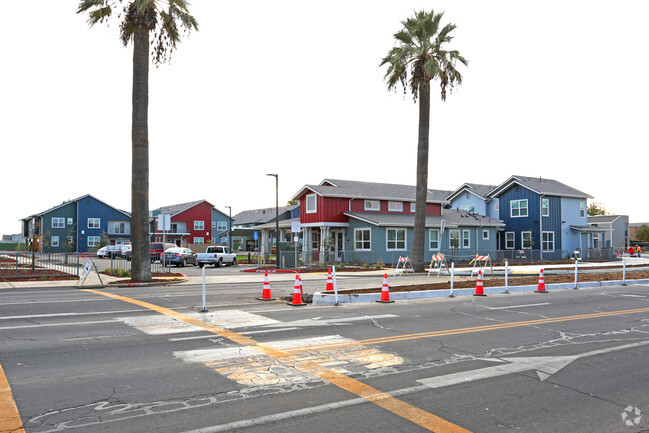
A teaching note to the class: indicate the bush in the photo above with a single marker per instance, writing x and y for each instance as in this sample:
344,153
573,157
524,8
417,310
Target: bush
122,273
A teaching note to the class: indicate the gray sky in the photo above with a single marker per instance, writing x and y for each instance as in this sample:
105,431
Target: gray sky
293,87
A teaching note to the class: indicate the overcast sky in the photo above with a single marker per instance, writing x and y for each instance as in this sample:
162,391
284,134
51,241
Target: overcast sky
557,89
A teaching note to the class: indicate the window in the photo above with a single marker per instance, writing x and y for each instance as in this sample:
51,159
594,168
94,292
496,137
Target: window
362,239
55,241
509,240
454,239
224,240
433,239
413,207
70,221
373,205
395,206
222,225
315,240
526,240
119,227
518,208
70,241
311,203
485,235
199,240
548,241
94,223
199,225
466,238
173,228
582,209
396,239
545,207
93,241
468,208
58,223
213,224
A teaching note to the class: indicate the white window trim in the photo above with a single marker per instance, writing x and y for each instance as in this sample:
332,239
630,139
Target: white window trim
371,208
543,214
199,240
485,235
542,242
439,240
202,223
582,209
94,244
523,240
405,239
70,221
463,238
511,208
98,223
467,207
223,224
398,205
413,207
70,240
59,220
459,238
315,203
513,240
52,241
362,229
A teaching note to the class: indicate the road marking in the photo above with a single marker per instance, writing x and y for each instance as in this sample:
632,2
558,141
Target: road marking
401,408
483,328
317,321
633,296
545,366
263,331
9,415
518,306
56,324
44,316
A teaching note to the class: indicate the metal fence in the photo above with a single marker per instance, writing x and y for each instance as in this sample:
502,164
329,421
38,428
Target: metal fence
22,264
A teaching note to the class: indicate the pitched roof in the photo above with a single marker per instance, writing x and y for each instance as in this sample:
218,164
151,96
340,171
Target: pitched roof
72,201
260,216
540,186
476,188
175,209
602,218
452,219
370,190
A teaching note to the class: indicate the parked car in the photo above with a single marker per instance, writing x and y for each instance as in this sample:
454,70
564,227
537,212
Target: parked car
102,252
156,249
217,256
180,256
118,250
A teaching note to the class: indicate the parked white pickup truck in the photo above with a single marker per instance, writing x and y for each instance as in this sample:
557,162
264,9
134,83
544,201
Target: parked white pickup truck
217,256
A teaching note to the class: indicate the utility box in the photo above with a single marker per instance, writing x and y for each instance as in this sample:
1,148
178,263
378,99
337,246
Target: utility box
286,255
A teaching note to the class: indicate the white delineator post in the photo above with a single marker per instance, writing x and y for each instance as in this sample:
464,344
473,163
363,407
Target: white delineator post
451,295
204,309
333,268
576,273
506,277
624,272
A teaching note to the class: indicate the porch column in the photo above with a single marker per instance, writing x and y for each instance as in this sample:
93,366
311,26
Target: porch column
324,236
264,240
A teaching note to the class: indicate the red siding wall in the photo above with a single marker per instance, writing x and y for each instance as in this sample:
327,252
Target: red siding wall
200,212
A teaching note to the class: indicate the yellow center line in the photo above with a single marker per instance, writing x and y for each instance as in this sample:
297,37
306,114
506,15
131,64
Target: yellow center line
9,416
466,330
398,407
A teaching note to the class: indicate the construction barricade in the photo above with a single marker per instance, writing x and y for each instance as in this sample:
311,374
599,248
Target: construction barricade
403,266
438,262
480,263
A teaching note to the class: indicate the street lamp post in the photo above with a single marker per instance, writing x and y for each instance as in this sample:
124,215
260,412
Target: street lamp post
230,229
276,216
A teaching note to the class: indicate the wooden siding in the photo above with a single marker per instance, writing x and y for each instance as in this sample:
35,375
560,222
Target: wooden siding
88,207
65,212
200,212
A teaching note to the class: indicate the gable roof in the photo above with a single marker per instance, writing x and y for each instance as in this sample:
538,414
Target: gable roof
452,219
175,209
260,216
369,190
74,200
478,189
602,218
540,186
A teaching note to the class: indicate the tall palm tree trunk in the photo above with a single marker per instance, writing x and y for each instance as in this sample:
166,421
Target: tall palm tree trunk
418,241
141,263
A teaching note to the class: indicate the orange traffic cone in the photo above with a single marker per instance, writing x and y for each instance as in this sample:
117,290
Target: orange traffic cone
479,289
385,291
265,294
297,293
300,281
541,286
330,282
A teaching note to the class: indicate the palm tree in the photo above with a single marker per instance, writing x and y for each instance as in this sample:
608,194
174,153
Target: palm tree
138,19
419,57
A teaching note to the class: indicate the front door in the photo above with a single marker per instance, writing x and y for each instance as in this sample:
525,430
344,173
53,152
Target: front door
337,245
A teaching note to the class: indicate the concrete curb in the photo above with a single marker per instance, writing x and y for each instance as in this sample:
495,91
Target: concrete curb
157,283
319,298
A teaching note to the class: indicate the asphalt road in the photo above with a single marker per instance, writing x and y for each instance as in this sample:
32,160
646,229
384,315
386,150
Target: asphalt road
145,360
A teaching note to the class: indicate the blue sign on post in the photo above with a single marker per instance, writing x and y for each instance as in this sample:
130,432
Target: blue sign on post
255,235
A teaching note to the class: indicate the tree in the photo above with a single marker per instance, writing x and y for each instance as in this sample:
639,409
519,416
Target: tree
596,209
138,19
643,233
418,58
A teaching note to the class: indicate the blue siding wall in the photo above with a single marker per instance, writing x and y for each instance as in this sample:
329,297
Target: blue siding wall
89,207
217,217
570,214
493,210
472,199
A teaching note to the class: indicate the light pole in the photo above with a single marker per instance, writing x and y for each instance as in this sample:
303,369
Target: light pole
276,215
230,229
